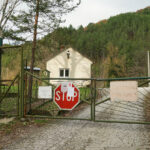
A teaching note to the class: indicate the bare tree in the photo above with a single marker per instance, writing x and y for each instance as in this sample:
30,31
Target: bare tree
7,9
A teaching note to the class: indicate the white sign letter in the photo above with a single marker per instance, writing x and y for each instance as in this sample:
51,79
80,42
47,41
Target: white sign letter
57,95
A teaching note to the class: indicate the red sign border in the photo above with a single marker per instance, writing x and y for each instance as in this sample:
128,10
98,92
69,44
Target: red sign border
59,106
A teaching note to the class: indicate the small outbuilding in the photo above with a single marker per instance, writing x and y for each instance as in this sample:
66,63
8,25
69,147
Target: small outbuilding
70,64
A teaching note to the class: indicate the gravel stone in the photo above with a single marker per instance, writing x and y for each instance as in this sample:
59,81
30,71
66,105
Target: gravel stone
87,135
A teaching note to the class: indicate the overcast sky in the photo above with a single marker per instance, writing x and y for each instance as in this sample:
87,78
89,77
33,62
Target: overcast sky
96,10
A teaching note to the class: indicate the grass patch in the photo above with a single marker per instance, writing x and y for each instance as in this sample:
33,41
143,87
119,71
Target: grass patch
8,105
41,121
13,89
85,93
48,108
15,129
6,129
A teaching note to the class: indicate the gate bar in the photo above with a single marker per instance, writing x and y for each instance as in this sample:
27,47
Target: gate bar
37,77
110,79
103,101
51,117
21,106
123,122
7,47
94,99
9,88
86,101
120,79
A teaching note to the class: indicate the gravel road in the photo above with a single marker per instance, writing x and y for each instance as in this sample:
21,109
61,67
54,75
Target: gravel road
86,135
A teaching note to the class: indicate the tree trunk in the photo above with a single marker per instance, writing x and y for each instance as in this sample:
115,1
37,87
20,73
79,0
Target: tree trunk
1,44
33,52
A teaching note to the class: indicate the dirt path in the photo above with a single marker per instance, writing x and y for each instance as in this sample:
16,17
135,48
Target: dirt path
86,135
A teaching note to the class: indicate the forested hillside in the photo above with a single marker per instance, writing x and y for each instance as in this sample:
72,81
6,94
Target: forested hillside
117,46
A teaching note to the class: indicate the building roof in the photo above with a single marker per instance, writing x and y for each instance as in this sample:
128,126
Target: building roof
69,49
34,69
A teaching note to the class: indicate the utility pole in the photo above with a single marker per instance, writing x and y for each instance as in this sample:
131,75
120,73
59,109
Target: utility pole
148,64
1,43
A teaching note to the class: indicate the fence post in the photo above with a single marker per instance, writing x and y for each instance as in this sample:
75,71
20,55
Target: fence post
93,98
1,44
18,96
36,89
21,106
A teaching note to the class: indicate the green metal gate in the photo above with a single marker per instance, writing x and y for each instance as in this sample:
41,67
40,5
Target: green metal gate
131,112
95,101
95,104
9,100
11,90
37,107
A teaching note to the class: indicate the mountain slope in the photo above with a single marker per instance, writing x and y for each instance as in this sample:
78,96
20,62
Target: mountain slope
117,46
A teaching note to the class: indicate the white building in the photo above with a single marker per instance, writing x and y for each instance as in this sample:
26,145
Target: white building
69,64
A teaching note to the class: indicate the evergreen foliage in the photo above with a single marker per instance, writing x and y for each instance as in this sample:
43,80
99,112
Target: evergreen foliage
128,33
117,46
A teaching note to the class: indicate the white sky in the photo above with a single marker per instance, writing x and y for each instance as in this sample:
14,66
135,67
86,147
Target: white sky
92,11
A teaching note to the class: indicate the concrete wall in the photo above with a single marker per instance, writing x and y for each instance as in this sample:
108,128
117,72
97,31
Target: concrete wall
78,65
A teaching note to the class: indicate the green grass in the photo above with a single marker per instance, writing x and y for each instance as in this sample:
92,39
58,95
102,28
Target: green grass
41,121
8,105
13,89
85,93
50,107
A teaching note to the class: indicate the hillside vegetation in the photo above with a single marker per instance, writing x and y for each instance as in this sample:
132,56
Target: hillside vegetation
117,46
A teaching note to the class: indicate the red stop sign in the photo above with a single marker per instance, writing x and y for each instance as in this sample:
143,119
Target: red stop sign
66,96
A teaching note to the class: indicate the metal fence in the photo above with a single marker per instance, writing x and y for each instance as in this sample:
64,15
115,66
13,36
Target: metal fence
9,99
123,110
40,107
10,83
95,101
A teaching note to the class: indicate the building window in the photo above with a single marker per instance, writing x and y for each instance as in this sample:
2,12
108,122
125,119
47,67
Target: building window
61,73
64,73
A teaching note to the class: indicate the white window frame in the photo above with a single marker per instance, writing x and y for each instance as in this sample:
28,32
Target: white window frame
64,72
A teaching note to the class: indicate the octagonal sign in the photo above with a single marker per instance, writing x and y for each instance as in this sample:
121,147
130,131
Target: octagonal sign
66,96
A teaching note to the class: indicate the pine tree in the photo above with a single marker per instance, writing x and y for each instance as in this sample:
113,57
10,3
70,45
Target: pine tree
40,17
